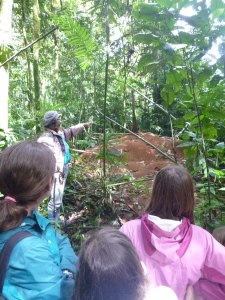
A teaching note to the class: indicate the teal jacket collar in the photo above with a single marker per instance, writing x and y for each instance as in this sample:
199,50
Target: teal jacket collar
35,219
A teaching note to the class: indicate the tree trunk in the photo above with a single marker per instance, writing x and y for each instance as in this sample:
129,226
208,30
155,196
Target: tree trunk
36,24
29,71
56,58
5,29
135,127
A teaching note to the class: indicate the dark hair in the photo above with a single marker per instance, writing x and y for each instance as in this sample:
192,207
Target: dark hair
25,171
219,235
109,268
172,194
52,125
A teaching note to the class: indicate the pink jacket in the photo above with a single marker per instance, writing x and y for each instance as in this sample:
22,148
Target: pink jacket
180,258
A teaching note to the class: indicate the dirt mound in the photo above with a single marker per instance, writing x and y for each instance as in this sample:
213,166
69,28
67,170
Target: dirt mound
143,160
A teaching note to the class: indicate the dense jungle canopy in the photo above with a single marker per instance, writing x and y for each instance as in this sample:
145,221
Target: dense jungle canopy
146,66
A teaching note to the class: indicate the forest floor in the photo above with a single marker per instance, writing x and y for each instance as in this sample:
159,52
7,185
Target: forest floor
131,167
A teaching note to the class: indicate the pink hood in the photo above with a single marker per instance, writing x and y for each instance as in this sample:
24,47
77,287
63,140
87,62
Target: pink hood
165,246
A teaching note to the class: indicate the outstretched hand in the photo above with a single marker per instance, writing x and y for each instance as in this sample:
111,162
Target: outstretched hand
88,124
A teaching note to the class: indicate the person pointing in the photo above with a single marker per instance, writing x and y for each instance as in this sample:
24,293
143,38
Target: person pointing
56,139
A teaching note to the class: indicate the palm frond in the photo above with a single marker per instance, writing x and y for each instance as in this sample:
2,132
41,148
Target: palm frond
78,37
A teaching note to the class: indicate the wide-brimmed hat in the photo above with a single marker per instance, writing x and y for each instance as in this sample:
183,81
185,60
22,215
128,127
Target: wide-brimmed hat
50,117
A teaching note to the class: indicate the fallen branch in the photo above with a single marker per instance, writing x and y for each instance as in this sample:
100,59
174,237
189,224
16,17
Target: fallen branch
154,147
84,151
31,44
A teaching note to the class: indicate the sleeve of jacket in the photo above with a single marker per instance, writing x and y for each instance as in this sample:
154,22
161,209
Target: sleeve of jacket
69,260
72,131
33,273
212,284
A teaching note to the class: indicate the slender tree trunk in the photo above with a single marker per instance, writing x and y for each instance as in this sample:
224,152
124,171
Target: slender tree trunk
36,24
29,71
56,58
125,92
5,29
135,124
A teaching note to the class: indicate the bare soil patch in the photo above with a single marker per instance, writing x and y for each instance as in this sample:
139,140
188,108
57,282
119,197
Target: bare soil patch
129,198
143,160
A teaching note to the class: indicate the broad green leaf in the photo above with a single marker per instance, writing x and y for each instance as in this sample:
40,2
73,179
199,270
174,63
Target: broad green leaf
145,60
218,172
209,132
168,94
186,144
216,13
188,134
220,146
186,37
195,120
145,38
215,4
189,116
150,68
215,80
146,8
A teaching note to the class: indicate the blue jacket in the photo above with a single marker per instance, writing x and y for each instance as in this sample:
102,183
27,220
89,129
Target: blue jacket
36,263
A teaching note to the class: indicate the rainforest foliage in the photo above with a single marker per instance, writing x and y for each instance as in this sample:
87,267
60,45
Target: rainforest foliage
155,66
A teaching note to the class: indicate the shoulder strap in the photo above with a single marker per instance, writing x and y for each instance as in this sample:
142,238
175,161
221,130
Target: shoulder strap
7,250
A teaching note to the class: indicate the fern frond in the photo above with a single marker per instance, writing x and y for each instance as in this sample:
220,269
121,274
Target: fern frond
80,39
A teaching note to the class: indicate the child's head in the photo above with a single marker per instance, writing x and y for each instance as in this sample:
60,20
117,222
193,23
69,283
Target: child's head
219,235
109,268
26,169
172,194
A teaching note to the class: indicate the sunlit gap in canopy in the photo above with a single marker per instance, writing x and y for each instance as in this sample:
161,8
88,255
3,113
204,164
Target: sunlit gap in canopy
211,55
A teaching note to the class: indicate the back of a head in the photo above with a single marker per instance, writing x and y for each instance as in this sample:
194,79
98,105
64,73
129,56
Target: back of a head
172,194
109,268
219,235
25,171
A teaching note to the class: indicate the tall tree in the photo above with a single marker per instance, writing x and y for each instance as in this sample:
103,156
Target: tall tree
5,33
29,71
36,23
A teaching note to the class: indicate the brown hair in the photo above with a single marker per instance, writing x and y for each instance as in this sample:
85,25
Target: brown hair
109,268
219,235
25,171
172,194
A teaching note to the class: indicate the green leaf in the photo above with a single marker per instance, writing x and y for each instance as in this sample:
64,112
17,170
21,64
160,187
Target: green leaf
195,120
186,144
145,60
146,8
189,116
216,13
168,94
80,38
209,131
151,67
220,146
145,38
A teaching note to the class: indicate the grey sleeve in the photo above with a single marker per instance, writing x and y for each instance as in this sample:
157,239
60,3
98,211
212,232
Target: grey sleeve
70,132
